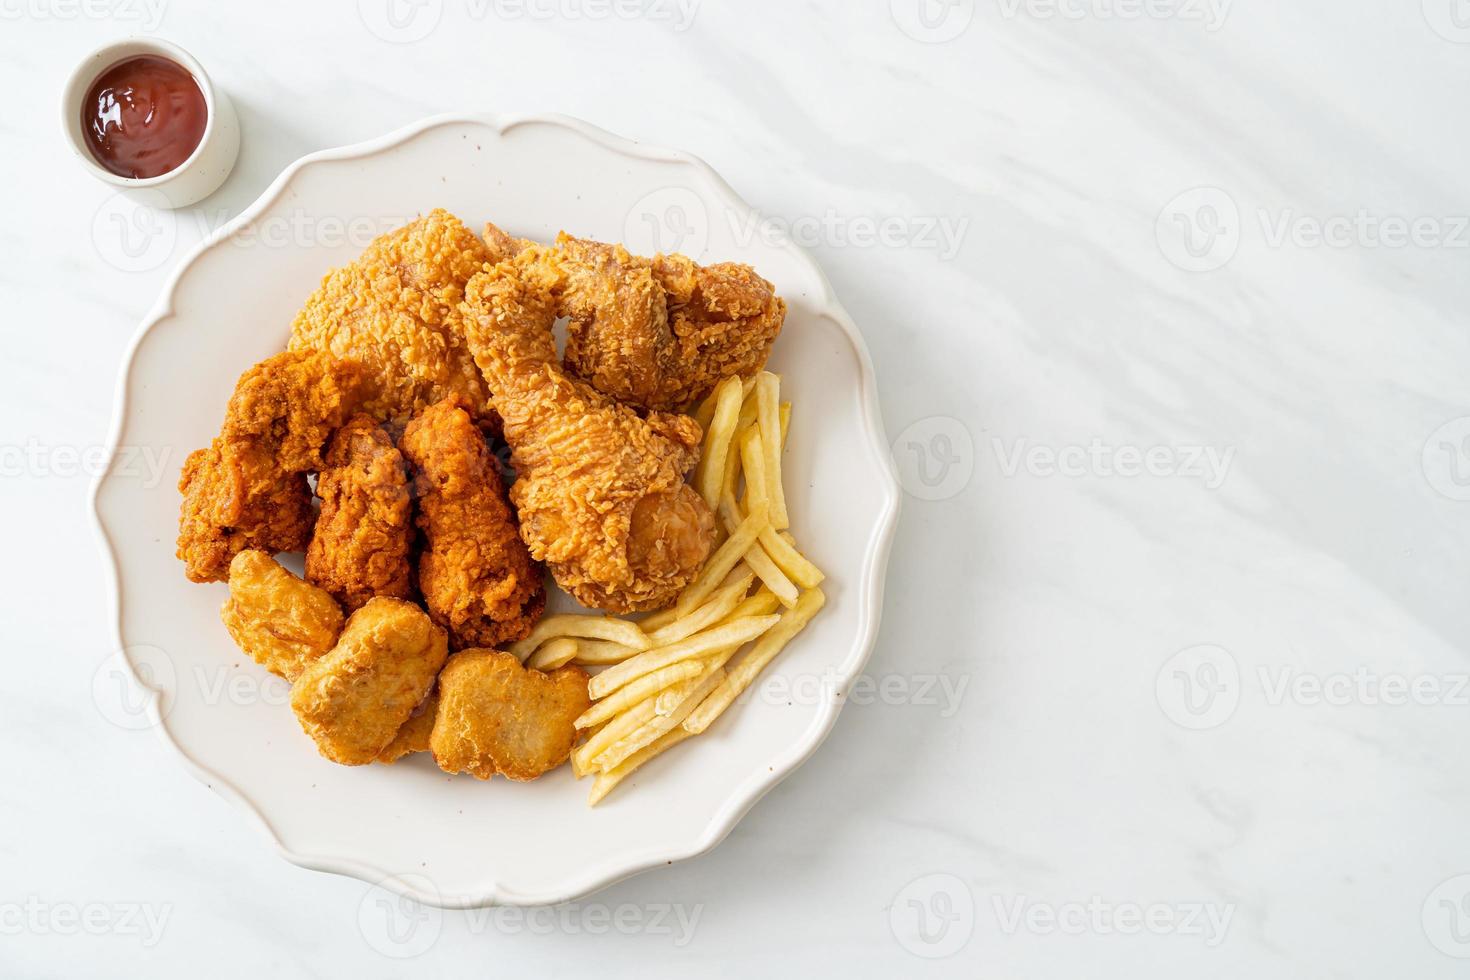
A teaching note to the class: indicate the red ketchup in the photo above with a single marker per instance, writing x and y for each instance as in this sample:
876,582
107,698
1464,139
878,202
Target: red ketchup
143,117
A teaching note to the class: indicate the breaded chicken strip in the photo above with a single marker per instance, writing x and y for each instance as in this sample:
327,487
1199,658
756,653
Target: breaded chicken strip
249,489
396,309
476,575
361,545
600,491
496,716
282,622
414,735
657,333
355,700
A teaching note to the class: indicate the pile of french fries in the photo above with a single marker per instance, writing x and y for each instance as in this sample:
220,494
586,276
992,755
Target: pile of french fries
670,675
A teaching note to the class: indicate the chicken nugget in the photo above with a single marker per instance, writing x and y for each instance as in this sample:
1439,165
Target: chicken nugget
361,545
355,700
282,622
477,576
498,716
414,735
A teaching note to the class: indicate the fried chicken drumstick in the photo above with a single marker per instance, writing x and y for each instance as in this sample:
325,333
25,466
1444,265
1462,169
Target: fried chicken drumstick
599,490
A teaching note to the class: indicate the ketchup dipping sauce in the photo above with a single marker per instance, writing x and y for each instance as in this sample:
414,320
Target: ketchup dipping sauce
143,117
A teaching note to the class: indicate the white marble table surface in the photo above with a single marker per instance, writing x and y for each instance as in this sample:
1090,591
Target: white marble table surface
1167,300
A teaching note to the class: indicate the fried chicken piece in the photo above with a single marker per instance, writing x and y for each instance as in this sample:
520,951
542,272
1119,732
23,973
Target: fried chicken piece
291,403
476,575
600,491
283,623
414,735
355,700
657,333
396,309
363,536
496,716
248,489
235,499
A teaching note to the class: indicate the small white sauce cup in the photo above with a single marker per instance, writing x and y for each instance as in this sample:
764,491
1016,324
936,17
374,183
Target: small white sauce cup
205,169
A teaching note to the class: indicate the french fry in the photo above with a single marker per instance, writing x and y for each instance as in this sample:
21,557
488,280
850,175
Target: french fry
768,417
721,562
688,697
623,724
718,433
602,653
640,690
781,547
771,575
763,603
753,463
726,597
554,653
785,421
604,782
589,627
706,409
733,633
740,676
647,732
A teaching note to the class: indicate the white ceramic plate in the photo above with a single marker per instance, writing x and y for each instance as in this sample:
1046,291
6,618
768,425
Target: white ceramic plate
455,841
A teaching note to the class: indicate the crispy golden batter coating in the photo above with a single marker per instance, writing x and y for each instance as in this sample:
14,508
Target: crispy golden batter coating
355,700
600,491
414,735
249,489
476,575
364,534
292,402
396,309
236,498
282,622
657,333
496,716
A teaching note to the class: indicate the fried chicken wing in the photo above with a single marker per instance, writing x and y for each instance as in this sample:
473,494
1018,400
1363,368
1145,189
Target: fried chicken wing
600,491
354,701
496,716
657,333
477,577
283,623
248,489
236,498
363,537
396,309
